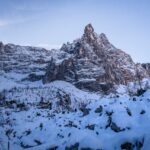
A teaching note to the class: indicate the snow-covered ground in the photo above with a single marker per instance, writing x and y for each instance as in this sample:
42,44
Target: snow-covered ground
60,116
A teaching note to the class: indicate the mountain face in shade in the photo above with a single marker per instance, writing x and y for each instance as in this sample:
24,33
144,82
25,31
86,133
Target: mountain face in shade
93,63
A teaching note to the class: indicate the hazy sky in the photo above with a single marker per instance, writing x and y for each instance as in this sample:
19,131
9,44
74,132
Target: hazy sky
50,23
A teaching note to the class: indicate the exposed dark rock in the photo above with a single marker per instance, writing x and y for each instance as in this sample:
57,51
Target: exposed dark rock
60,135
84,110
134,98
73,147
91,127
41,126
140,92
28,132
64,100
127,146
142,112
139,143
130,146
87,148
45,105
94,86
109,121
128,111
2,99
99,109
109,113
33,77
25,146
53,148
111,124
22,106
147,67
71,124
38,142
115,128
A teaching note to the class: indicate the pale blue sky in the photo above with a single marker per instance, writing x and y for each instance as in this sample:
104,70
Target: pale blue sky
50,23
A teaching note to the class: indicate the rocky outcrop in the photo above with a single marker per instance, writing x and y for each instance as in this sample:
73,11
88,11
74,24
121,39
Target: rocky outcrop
93,63
25,62
147,67
23,59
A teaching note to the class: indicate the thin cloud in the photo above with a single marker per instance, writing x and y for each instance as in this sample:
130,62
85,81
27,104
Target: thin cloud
3,23
30,6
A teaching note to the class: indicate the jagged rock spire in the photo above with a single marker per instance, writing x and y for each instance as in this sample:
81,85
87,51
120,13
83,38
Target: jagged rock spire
89,34
93,38
88,29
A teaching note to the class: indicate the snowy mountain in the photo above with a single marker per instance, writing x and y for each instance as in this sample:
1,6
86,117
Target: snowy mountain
93,63
88,95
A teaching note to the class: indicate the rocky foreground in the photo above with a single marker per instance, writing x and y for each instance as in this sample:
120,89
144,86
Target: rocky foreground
60,116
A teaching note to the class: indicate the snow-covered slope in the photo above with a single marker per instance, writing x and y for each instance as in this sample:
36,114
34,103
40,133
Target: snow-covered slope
87,120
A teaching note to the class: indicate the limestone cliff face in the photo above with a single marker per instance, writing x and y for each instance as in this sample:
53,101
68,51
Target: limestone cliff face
23,61
93,63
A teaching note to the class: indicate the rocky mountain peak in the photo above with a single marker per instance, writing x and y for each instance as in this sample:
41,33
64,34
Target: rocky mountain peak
92,63
88,29
95,40
103,37
89,34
